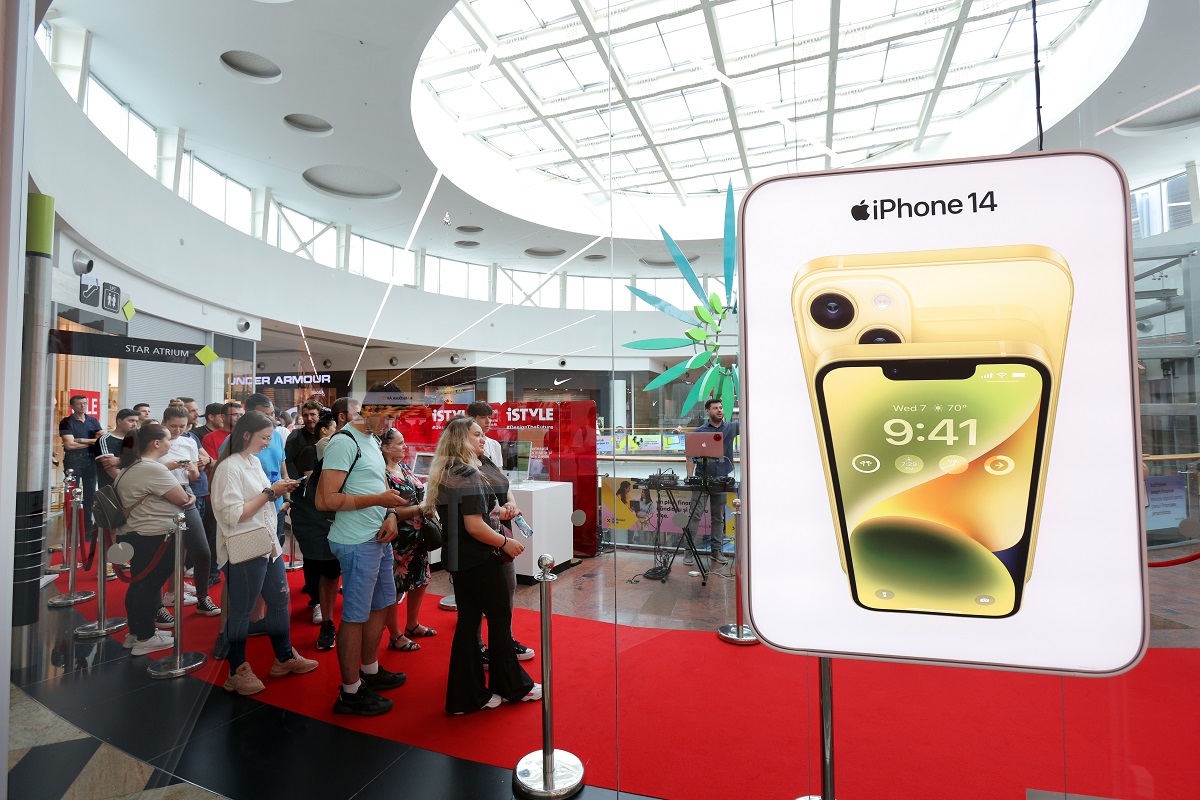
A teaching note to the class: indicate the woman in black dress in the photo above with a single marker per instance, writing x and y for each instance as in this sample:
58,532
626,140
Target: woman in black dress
460,496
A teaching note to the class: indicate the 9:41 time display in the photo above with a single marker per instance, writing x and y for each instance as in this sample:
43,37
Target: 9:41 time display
900,431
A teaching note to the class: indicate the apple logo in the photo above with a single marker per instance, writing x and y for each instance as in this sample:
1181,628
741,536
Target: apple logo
860,211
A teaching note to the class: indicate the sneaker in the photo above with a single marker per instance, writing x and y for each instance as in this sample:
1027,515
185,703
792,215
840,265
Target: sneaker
164,620
130,641
206,607
523,653
243,681
214,579
189,572
109,573
161,640
220,646
534,694
492,702
717,557
383,680
688,560
189,588
189,599
364,702
483,653
296,665
318,618
327,638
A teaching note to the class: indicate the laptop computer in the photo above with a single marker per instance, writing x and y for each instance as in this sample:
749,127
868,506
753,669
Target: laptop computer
421,464
704,445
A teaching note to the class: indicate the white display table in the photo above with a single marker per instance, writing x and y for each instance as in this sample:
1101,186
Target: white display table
546,506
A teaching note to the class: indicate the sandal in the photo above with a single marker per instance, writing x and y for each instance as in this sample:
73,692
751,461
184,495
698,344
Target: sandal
419,631
407,647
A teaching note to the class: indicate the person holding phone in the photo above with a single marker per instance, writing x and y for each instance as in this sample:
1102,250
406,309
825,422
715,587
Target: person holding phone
244,501
183,461
459,493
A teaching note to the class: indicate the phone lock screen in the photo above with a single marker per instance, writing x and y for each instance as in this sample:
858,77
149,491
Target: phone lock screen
935,466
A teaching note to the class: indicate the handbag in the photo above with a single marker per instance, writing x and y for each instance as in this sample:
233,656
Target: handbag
431,534
251,544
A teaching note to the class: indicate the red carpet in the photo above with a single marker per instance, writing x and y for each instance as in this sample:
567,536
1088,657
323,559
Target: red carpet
697,718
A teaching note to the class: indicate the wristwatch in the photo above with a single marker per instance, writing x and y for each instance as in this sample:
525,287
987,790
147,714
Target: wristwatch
270,493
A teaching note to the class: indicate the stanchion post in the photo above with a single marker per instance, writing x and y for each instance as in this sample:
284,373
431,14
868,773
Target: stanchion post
104,624
293,564
68,517
73,526
827,728
547,773
179,662
736,632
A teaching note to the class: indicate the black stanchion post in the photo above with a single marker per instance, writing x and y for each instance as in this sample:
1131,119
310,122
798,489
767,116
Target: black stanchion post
179,662
547,773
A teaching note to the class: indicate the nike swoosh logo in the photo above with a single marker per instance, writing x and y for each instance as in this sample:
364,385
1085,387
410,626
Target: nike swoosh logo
557,382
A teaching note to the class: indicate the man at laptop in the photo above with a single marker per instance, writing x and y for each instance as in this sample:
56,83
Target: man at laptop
714,468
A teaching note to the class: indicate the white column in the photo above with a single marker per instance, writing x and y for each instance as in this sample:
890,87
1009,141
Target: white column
1193,190
343,246
170,157
497,390
70,56
358,385
260,205
619,417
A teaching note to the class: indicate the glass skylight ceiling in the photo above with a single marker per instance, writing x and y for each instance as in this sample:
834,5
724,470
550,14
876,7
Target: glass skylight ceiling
710,91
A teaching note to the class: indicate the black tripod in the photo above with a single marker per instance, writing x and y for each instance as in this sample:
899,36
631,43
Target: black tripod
662,565
702,497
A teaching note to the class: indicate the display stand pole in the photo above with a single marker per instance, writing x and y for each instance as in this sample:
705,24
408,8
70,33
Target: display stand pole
179,662
547,772
736,632
293,564
71,533
826,669
103,625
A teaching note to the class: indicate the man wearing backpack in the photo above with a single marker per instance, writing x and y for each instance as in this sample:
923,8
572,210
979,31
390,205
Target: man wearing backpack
310,525
353,484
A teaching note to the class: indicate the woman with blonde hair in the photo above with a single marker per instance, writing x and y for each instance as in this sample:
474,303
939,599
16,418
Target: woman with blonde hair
459,493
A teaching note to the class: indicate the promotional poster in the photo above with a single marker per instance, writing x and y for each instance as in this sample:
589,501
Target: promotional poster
961,482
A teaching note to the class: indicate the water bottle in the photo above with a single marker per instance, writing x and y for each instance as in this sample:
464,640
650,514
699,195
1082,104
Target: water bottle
520,524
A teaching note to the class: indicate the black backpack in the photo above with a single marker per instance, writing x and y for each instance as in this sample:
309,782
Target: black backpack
314,478
106,506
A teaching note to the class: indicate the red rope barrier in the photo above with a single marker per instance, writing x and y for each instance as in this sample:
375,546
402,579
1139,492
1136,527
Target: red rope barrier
1174,561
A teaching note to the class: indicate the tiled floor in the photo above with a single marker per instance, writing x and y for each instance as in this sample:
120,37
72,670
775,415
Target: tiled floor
187,740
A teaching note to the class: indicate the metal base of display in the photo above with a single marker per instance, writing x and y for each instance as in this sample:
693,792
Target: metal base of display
736,634
448,603
70,599
94,630
528,777
175,665
292,566
58,569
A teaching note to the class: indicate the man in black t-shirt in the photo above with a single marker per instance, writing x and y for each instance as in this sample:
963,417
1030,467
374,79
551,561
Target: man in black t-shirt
79,434
109,447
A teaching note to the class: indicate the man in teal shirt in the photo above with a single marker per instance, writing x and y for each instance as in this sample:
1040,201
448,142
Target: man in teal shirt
354,486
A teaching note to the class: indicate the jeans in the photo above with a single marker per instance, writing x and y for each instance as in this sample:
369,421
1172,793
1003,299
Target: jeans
144,597
210,535
280,518
248,580
716,519
196,544
85,471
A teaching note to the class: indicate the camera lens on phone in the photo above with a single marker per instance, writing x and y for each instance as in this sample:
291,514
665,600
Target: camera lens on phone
832,310
879,336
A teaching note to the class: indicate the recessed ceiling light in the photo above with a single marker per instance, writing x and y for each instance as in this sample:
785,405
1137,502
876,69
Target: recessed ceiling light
466,244
661,262
251,66
308,123
469,229
595,257
544,252
350,182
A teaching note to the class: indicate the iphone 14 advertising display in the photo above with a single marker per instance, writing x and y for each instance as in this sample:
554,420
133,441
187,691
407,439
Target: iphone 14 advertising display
935,471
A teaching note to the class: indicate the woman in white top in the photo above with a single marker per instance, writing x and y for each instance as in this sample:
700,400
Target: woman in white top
243,502
151,498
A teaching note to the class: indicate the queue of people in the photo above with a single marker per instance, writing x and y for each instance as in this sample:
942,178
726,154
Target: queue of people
356,510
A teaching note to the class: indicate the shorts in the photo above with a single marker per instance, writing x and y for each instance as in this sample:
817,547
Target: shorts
325,567
367,582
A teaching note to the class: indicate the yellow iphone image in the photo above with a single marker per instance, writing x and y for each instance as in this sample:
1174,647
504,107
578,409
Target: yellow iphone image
901,335
933,457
